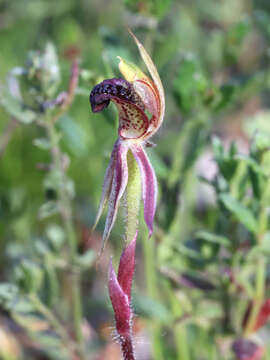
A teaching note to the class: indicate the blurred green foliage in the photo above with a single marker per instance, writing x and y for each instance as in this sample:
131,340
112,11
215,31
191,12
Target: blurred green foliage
209,257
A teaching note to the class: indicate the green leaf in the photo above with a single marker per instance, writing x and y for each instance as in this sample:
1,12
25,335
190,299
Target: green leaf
209,309
238,32
265,245
42,143
158,8
252,163
48,209
15,108
56,235
226,93
44,66
190,83
261,141
258,126
151,308
73,135
8,292
159,165
218,147
87,259
241,212
226,159
22,305
213,238
29,276
41,248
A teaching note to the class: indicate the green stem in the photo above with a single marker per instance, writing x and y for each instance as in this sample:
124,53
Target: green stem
151,284
53,284
149,265
178,229
179,330
52,320
261,266
66,214
259,296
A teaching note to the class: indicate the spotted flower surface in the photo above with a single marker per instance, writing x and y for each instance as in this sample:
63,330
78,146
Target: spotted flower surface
141,105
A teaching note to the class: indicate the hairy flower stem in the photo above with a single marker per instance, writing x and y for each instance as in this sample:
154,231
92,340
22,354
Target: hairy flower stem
120,294
127,348
66,215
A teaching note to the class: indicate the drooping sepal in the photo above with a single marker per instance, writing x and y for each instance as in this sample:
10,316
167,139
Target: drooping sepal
107,184
118,186
149,185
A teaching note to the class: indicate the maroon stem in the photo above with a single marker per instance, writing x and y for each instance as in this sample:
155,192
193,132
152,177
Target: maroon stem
127,348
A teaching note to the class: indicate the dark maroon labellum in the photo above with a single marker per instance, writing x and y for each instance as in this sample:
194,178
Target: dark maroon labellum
109,89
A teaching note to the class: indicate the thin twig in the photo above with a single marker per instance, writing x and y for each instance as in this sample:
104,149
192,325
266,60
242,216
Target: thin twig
50,317
7,135
73,83
66,207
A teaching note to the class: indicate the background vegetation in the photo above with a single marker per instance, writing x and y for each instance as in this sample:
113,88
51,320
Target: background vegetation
202,282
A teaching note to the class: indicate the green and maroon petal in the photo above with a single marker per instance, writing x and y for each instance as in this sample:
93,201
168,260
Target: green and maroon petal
118,186
149,185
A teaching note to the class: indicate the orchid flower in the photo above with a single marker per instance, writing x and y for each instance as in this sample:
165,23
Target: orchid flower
120,294
141,104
